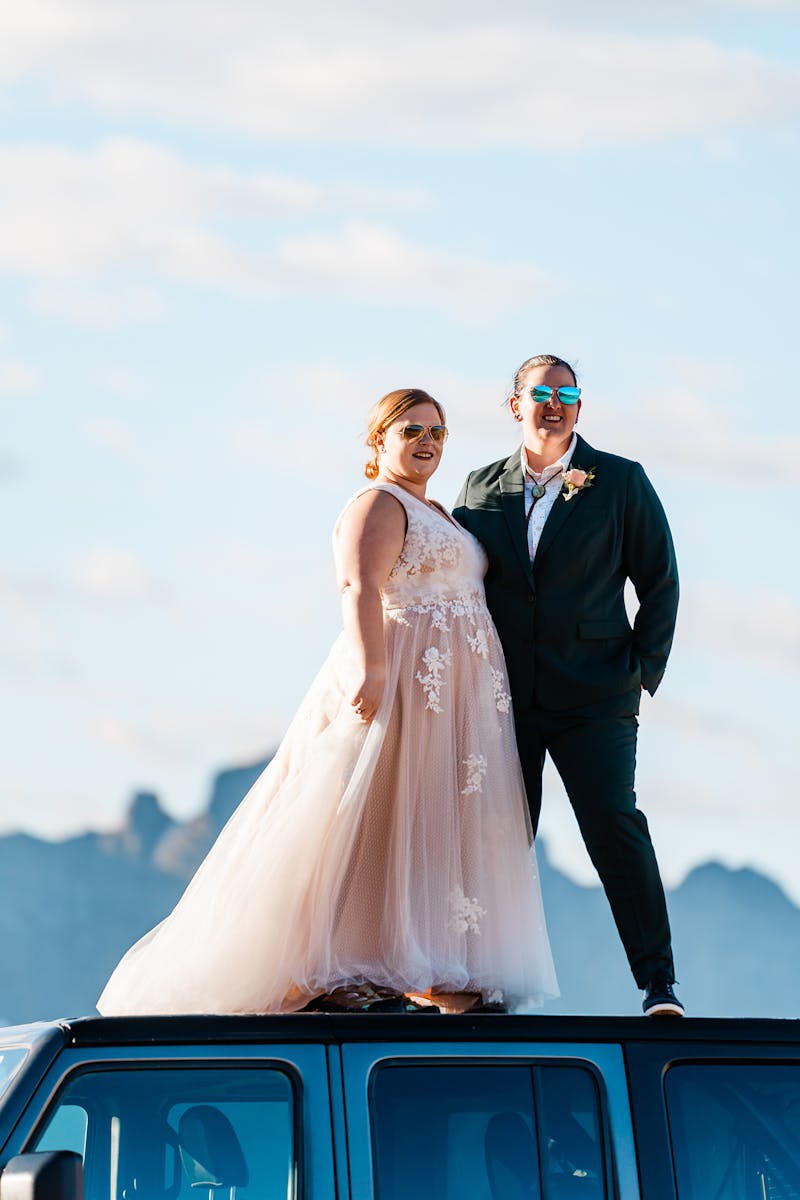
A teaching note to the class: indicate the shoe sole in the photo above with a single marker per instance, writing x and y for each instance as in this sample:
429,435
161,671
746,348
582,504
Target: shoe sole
664,1010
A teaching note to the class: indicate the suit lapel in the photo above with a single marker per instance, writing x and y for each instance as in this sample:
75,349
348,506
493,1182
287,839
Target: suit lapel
512,491
584,459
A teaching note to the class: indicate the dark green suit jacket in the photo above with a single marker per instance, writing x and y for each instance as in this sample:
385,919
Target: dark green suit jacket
567,640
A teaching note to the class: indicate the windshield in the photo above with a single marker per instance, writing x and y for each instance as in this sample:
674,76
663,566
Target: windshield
10,1062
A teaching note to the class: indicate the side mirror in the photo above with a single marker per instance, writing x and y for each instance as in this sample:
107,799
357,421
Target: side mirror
46,1175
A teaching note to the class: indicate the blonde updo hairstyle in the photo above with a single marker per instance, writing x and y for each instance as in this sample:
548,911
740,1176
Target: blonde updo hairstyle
386,411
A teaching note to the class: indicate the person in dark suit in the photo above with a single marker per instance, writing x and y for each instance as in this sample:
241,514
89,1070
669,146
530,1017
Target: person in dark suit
565,526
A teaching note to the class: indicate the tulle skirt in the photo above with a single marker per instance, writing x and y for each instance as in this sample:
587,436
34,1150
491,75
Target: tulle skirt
397,852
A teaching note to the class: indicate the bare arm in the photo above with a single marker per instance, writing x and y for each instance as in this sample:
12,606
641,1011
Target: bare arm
369,539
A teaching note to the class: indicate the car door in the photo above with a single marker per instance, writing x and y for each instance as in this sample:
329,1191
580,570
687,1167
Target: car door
188,1122
717,1121
476,1121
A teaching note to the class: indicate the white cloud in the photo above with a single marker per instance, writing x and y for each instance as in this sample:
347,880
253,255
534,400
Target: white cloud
689,430
113,575
65,211
167,736
332,389
119,736
98,306
17,378
760,627
113,435
442,77
329,394
379,261
254,443
722,736
32,645
133,206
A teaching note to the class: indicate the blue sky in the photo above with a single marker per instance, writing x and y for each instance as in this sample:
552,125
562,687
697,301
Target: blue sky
226,229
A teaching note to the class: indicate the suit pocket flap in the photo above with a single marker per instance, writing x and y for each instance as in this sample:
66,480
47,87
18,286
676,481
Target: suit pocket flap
587,630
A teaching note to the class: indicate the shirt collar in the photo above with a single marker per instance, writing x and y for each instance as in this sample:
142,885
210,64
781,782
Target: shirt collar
553,469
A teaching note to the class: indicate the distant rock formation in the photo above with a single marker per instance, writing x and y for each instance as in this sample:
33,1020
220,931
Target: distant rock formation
734,932
70,909
183,847
144,828
737,934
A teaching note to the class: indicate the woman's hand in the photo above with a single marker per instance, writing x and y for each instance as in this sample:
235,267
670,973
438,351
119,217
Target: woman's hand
368,694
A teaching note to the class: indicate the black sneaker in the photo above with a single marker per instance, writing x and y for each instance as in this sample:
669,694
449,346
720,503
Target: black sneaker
659,998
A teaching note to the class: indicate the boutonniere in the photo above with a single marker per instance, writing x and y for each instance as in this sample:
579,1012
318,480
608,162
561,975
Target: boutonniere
574,481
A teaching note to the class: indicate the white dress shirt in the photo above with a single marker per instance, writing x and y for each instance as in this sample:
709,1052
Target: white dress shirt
550,478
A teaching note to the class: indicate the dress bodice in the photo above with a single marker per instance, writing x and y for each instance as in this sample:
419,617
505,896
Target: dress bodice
440,561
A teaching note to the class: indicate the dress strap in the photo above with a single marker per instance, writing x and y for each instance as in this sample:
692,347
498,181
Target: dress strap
432,507
391,488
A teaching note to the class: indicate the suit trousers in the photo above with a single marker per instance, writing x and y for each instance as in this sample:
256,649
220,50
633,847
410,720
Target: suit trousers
596,759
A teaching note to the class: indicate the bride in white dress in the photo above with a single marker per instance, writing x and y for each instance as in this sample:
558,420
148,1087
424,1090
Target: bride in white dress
387,844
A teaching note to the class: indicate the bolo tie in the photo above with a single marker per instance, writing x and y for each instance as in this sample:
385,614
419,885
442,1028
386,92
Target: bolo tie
537,491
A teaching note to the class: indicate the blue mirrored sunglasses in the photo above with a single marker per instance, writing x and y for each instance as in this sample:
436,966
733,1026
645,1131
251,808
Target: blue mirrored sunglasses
567,395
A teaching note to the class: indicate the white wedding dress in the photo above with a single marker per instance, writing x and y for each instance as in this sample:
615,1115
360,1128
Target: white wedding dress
395,852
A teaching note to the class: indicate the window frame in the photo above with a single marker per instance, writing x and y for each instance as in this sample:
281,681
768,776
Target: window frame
648,1065
531,1062
159,1062
699,1063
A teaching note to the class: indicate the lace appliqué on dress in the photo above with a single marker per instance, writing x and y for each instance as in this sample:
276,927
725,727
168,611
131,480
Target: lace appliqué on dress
501,696
479,643
435,660
432,545
439,620
476,771
465,914
467,604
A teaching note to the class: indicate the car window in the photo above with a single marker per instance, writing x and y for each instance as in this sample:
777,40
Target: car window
11,1059
487,1132
66,1130
735,1130
163,1133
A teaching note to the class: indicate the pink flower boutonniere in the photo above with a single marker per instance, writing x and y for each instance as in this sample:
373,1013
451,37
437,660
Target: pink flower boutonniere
574,481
